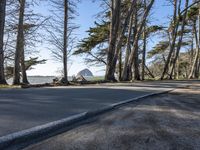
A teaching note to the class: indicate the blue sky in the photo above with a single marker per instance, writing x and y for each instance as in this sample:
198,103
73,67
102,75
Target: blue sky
87,11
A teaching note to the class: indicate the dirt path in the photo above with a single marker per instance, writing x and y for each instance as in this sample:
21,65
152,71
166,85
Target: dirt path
168,122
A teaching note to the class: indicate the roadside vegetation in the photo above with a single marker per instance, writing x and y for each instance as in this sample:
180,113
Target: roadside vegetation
2,86
119,41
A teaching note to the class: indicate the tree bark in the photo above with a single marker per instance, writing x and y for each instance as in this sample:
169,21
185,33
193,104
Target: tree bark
180,40
2,24
174,36
144,48
23,67
144,53
178,67
120,65
136,61
121,34
134,53
198,63
197,70
128,69
150,73
135,48
65,42
192,47
20,43
126,72
195,62
114,28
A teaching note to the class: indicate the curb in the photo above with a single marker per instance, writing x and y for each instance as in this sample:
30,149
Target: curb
21,139
117,105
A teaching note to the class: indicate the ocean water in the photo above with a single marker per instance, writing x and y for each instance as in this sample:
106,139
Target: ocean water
44,79
37,79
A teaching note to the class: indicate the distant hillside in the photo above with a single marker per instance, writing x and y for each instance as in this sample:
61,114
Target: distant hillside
85,73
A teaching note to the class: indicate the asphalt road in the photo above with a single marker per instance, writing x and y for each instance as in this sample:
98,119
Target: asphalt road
165,122
25,108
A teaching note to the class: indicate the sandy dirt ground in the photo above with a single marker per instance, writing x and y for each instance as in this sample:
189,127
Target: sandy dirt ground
166,122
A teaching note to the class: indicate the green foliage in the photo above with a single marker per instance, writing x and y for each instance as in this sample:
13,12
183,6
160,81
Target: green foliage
33,61
28,65
97,35
184,43
193,13
186,31
158,49
153,29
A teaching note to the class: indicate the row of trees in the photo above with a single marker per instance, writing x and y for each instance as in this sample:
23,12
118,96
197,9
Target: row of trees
21,29
179,53
18,37
120,41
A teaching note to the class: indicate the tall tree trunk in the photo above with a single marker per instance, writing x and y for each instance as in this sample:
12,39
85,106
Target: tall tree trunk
144,53
197,70
128,69
195,62
126,72
121,34
65,42
174,36
144,48
134,53
192,52
135,48
178,67
114,28
2,24
150,73
112,63
20,43
198,63
180,40
120,65
23,67
192,47
136,61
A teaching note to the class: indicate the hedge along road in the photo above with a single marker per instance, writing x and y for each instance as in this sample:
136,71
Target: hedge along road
21,109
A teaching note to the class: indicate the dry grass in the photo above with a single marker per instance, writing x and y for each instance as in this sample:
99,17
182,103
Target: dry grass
8,86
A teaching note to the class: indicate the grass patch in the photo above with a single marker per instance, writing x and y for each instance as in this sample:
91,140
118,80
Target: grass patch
97,78
2,86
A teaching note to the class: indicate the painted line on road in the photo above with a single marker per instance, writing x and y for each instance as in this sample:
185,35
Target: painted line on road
22,139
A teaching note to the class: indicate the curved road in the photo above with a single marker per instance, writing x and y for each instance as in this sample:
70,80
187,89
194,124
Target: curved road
25,108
